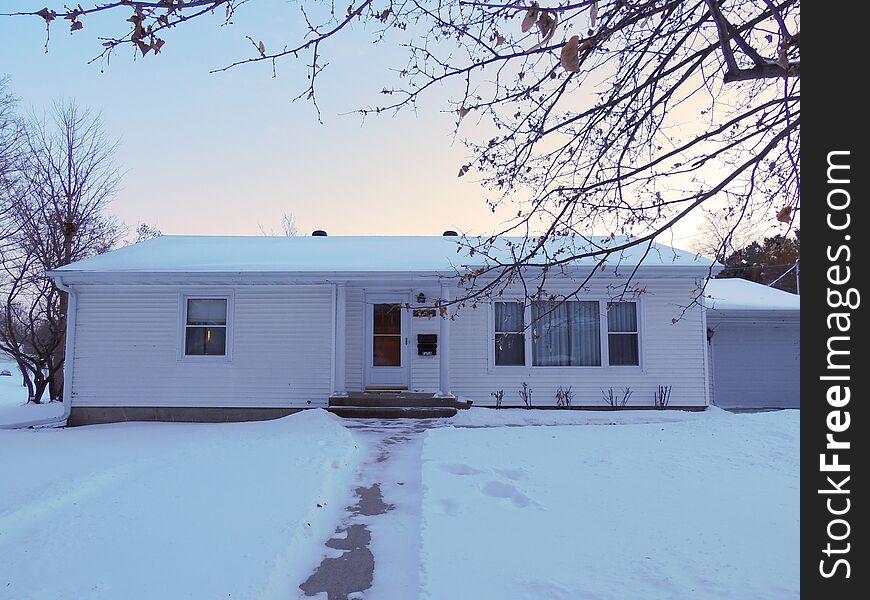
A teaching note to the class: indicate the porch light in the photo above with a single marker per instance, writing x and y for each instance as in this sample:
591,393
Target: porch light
421,298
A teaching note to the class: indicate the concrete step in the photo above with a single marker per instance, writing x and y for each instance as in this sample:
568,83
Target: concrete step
403,400
392,412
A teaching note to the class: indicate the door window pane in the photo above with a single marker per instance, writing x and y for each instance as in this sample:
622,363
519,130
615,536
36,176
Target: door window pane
387,351
387,318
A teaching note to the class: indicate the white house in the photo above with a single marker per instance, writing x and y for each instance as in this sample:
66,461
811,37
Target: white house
184,327
754,343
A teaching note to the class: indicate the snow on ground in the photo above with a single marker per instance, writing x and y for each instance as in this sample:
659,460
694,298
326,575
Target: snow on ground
514,416
169,510
396,533
702,508
14,407
12,390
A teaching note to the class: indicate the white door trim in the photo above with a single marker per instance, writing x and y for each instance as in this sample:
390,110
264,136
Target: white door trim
386,377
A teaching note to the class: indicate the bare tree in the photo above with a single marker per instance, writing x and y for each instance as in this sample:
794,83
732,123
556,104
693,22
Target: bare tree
288,227
144,232
11,134
718,237
605,116
56,215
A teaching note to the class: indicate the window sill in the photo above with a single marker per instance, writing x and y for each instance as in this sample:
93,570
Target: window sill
204,358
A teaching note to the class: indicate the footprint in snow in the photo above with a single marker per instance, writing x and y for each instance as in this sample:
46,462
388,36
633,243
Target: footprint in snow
513,474
460,469
499,489
447,506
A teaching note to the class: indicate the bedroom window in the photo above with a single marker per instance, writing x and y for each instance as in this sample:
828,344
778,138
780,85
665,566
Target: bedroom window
510,339
205,327
622,334
566,334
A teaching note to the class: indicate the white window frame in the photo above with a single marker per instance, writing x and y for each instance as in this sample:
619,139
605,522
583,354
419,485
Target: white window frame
181,341
607,333
524,333
603,334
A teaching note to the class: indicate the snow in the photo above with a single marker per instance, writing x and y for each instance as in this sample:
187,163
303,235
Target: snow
12,390
703,508
397,570
598,504
515,417
307,254
740,294
14,407
169,510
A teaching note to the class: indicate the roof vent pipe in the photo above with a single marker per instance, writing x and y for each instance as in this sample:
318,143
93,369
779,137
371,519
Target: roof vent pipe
450,233
318,233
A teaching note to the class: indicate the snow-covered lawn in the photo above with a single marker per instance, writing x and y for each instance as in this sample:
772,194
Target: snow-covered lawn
14,407
600,505
705,507
159,510
12,391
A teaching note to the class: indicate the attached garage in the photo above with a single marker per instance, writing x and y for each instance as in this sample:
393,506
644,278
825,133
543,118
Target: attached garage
753,334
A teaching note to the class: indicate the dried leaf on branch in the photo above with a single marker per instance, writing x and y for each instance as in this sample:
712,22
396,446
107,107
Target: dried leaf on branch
530,18
570,57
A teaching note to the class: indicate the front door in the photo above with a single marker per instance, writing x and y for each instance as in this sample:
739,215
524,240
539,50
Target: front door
386,341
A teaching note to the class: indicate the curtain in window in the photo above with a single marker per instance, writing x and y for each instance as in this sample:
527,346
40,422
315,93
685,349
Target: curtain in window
508,317
509,336
621,316
622,339
206,311
566,334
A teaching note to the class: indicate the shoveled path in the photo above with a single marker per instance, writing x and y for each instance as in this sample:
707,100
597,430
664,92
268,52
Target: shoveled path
393,471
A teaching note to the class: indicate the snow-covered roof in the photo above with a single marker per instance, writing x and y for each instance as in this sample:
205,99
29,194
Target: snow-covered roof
742,295
213,254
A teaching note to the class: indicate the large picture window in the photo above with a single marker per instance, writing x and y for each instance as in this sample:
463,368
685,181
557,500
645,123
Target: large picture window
566,334
510,338
205,327
622,334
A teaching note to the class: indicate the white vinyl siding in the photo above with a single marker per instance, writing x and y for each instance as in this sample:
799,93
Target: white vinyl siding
126,348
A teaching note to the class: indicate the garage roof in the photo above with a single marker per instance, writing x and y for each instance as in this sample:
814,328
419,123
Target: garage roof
742,295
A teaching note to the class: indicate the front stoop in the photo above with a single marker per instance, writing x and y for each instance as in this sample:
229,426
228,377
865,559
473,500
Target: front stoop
394,405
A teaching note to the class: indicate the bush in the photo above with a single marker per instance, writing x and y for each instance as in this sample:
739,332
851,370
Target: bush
612,399
564,397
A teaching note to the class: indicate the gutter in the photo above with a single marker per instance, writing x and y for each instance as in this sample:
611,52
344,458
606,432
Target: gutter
69,344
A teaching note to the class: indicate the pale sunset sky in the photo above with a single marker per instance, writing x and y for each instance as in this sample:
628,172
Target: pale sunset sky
228,153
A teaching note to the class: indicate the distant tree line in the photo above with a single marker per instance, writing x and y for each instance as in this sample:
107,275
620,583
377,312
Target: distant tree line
774,259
